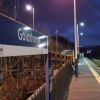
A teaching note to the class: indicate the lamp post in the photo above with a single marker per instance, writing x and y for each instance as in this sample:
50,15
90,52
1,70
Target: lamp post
76,39
75,29
78,35
30,8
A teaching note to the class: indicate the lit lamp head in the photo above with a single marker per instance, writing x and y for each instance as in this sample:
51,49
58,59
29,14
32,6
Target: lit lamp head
28,7
82,24
81,34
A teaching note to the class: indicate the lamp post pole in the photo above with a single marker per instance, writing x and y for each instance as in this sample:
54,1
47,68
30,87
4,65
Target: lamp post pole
31,9
33,12
76,39
78,36
75,29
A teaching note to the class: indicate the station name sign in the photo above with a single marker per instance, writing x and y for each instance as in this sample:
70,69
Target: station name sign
17,39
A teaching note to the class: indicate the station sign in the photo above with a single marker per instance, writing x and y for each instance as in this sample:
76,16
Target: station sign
17,39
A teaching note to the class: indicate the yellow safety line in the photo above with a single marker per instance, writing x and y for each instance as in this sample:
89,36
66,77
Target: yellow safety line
95,74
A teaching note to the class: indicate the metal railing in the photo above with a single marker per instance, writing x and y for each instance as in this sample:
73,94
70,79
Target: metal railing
59,85
60,82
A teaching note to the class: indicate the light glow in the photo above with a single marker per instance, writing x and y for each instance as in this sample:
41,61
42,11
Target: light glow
28,7
41,45
42,37
81,34
82,24
27,28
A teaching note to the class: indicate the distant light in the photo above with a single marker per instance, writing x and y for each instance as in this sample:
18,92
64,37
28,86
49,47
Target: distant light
81,34
82,24
28,7
42,37
41,45
56,31
89,51
27,28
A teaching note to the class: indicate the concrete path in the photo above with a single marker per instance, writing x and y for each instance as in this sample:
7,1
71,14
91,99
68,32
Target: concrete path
87,85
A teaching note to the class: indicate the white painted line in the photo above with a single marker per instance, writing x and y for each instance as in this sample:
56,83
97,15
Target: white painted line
96,60
95,74
94,65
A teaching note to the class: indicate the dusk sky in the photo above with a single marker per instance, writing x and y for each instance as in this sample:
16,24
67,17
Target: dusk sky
58,14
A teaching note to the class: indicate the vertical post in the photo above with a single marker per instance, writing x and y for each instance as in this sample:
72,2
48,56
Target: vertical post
56,41
47,80
78,38
33,11
75,33
73,56
78,48
75,29
14,10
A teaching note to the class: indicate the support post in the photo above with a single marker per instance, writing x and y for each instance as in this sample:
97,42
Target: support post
47,80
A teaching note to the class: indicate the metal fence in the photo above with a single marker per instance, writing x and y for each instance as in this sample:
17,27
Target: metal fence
39,94
59,84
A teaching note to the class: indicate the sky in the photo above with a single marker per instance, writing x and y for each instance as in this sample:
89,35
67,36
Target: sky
88,11
58,15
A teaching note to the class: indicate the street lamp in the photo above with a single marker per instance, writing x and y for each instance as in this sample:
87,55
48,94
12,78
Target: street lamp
75,29
30,8
76,39
78,35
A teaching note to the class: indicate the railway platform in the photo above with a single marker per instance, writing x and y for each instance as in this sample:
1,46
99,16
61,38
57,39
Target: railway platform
87,85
